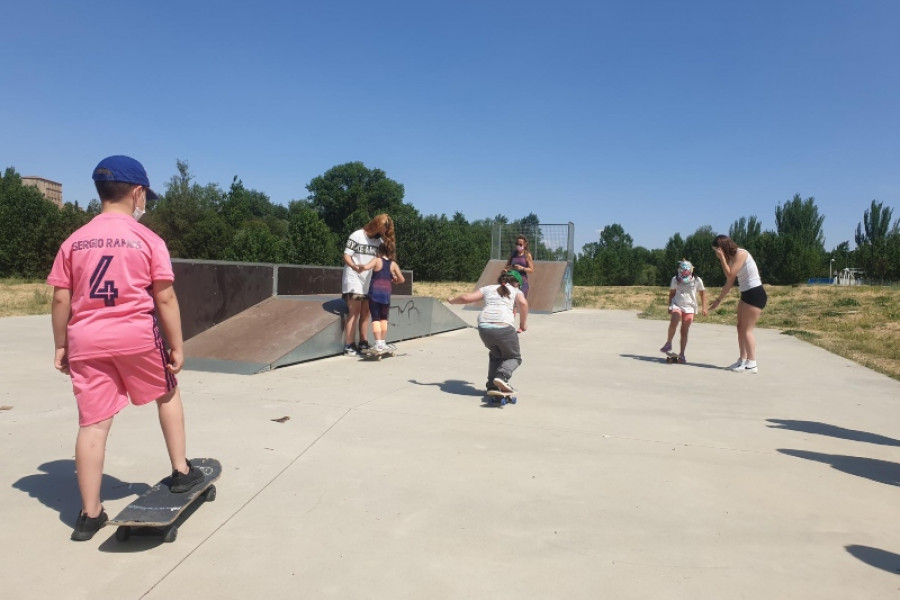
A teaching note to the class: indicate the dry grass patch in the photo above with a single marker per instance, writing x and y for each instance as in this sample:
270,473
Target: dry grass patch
20,297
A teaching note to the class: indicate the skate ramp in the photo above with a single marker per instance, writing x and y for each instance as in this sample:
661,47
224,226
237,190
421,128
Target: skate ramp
285,330
550,288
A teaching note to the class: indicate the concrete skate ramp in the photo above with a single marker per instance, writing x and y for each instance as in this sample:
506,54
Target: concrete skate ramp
548,291
285,330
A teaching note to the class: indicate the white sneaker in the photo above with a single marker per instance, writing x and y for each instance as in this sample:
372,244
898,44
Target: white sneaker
738,366
749,369
503,385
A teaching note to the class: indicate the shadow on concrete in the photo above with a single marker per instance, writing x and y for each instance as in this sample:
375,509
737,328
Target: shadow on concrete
833,431
57,488
662,359
876,557
881,471
457,387
336,307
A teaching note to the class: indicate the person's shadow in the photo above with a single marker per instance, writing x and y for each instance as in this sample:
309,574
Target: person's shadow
656,359
876,557
56,487
457,387
833,431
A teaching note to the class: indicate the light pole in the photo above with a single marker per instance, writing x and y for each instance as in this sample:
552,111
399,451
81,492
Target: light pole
830,264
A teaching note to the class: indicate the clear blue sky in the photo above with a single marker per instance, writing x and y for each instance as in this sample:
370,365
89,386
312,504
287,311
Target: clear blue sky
661,116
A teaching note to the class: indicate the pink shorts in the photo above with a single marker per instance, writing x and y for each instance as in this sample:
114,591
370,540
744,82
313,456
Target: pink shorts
686,317
103,386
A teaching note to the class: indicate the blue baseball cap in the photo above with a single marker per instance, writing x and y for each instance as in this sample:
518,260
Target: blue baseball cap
124,169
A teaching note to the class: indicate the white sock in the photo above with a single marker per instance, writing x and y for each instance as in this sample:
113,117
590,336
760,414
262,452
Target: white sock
750,363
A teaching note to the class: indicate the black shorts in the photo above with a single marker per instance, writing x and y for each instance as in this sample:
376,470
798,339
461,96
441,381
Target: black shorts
755,297
379,311
349,296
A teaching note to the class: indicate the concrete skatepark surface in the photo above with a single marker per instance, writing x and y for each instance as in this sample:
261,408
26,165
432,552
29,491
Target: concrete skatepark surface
615,476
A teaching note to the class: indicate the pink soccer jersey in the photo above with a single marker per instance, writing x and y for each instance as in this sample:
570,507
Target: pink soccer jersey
110,265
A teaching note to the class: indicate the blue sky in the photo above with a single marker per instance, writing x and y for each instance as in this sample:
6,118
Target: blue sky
661,116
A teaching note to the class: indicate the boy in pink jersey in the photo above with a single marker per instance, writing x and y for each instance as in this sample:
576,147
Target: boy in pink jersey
112,279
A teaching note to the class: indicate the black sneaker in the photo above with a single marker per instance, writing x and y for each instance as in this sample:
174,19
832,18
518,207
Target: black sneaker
86,527
182,483
363,346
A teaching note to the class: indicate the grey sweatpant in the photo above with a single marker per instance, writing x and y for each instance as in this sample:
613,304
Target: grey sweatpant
504,356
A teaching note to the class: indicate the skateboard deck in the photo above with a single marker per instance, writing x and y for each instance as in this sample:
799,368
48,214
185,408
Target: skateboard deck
501,398
671,357
374,354
156,511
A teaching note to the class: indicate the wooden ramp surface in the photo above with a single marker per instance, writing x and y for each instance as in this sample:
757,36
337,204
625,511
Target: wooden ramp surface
546,286
265,333
285,330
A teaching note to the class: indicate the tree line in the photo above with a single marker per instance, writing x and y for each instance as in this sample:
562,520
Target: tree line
240,224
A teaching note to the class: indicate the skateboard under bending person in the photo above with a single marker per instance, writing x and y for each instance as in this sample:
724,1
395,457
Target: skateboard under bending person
683,305
385,273
497,326
112,293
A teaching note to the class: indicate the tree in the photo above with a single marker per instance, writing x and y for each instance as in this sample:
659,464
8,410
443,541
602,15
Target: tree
309,241
255,243
614,258
746,233
31,228
348,196
876,243
188,218
876,224
698,250
801,247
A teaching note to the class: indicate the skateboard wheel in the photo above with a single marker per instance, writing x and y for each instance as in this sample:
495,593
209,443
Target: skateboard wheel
170,534
123,533
513,400
210,494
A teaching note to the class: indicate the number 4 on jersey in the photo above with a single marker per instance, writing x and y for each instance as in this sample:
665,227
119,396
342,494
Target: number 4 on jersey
107,291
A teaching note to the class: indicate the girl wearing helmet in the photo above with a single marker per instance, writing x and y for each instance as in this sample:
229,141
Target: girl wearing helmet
683,305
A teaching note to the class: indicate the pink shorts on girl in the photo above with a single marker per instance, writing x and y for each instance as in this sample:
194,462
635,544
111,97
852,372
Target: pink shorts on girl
686,317
102,386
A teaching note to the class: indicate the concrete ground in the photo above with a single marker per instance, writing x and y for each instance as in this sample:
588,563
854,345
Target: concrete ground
615,476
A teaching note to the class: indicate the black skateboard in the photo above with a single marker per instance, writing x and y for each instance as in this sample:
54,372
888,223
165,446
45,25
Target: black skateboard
501,398
156,511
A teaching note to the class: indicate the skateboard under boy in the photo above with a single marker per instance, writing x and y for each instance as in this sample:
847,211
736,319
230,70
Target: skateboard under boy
156,511
501,398
375,354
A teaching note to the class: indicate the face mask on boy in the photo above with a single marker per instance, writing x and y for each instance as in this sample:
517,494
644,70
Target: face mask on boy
138,211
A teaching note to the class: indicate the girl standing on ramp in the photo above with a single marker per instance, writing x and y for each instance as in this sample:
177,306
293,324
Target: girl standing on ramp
361,248
385,273
497,326
521,262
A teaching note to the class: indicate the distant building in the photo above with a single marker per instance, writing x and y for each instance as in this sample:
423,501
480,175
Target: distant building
52,190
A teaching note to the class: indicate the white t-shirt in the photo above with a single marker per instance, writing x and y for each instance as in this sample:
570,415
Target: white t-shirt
498,309
363,249
685,298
